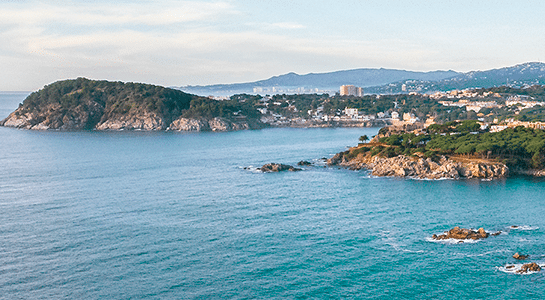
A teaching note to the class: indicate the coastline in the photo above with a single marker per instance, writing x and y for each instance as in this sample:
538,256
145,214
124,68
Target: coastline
420,167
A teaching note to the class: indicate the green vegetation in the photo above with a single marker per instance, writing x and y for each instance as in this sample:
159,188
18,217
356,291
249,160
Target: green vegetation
93,101
516,147
120,97
209,108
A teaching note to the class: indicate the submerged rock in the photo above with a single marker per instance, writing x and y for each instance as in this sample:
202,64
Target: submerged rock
304,163
274,167
464,234
531,267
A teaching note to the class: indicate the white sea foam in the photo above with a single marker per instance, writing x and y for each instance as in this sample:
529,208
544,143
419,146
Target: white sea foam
430,179
523,227
513,268
452,241
251,169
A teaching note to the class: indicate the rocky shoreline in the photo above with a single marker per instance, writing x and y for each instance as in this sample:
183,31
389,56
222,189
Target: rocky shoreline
136,121
420,167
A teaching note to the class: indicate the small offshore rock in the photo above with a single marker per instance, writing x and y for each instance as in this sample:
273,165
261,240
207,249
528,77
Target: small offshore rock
531,267
520,256
463,234
304,163
274,167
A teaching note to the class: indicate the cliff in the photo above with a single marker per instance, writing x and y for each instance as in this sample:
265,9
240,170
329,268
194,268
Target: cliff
83,104
419,167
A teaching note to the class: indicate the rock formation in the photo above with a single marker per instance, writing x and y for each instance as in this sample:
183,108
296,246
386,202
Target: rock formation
274,167
202,124
531,267
520,256
304,163
463,234
419,167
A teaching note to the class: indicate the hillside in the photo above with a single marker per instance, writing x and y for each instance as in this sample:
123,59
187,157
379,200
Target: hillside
83,104
527,74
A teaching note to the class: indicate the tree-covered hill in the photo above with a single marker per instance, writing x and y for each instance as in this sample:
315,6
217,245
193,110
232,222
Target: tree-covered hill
81,103
518,147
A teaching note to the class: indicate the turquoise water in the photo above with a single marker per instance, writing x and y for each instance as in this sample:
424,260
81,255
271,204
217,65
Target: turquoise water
119,215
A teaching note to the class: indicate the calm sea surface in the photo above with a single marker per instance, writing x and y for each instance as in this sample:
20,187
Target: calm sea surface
117,215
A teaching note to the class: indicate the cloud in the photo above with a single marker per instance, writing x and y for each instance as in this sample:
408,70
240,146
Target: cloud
88,14
287,25
188,42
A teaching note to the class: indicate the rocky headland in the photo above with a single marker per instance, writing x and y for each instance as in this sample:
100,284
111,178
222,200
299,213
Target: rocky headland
419,167
453,150
84,104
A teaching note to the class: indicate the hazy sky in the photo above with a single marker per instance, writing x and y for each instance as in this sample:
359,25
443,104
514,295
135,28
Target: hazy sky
226,41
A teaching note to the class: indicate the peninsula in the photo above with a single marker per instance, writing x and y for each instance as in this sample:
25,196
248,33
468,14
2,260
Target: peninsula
453,150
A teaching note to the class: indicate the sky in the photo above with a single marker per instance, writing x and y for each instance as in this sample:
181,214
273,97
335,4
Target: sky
177,43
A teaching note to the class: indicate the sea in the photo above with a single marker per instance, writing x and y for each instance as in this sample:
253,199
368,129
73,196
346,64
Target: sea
169,215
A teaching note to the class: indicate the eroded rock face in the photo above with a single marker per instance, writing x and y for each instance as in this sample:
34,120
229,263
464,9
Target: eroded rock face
185,124
52,116
531,267
141,121
215,124
274,167
463,234
419,167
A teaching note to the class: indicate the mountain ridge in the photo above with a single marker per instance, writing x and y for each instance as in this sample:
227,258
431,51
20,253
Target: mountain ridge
364,77
520,75
382,81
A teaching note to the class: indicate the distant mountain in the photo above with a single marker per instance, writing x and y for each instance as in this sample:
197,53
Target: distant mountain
331,81
521,75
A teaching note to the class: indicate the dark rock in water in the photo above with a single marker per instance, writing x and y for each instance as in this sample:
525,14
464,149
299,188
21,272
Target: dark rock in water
531,267
463,234
509,267
520,256
304,163
274,167
514,226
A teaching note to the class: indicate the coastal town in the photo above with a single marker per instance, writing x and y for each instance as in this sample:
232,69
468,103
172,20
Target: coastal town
487,107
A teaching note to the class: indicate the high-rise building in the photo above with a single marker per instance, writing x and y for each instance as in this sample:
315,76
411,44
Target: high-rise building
350,90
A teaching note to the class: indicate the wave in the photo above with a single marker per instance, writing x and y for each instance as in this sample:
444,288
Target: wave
485,253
